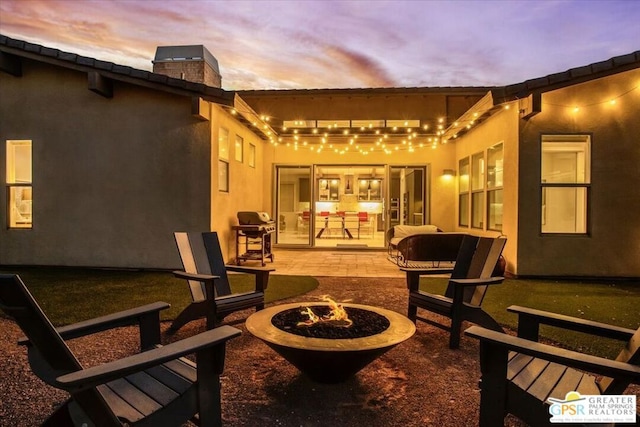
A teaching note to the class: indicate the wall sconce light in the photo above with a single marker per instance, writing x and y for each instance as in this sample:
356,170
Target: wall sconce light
448,173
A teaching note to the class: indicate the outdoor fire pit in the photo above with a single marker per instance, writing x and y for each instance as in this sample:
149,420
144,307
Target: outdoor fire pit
331,349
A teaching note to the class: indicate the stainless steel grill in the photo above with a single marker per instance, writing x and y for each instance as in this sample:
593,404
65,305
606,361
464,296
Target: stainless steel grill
254,233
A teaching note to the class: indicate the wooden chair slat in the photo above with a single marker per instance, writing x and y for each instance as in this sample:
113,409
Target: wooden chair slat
516,364
120,407
178,383
134,396
569,382
528,375
197,289
181,368
152,388
588,385
546,381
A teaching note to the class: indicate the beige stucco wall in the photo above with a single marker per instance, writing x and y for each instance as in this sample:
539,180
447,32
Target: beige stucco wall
502,127
112,178
612,246
249,188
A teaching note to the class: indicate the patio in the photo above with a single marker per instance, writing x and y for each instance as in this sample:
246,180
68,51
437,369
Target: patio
334,263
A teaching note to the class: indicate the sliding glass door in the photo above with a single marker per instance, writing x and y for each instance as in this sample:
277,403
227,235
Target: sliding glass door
407,195
293,205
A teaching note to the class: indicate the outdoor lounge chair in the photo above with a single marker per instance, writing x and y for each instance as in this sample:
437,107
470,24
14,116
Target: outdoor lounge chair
156,387
206,273
519,374
470,279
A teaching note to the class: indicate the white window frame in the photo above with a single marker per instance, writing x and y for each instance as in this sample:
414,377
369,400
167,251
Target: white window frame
464,194
252,155
556,184
495,183
239,148
478,198
19,180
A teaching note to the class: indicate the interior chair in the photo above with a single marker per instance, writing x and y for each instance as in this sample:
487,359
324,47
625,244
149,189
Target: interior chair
335,225
156,387
351,224
470,278
206,274
303,222
364,223
520,375
322,224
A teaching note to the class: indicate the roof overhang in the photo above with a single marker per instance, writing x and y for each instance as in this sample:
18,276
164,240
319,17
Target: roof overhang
12,50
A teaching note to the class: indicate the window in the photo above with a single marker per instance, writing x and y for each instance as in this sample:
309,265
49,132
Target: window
477,190
565,178
223,160
239,148
19,190
495,161
252,155
223,144
223,176
463,198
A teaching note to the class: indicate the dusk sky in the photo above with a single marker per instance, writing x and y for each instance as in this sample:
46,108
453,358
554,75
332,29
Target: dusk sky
340,44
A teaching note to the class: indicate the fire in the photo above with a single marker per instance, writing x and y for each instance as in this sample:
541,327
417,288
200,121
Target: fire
337,316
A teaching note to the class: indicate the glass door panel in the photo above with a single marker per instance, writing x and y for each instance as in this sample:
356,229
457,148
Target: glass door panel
293,205
348,209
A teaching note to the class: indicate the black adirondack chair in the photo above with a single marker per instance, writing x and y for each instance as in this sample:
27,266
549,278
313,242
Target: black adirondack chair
156,387
470,279
206,273
519,374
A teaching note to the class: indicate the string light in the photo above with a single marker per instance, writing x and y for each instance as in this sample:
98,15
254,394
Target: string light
609,101
407,140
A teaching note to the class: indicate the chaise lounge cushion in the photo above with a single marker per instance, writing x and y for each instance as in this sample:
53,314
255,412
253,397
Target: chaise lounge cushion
402,231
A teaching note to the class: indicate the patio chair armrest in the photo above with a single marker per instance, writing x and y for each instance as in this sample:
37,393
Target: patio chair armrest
195,276
419,271
94,376
261,274
146,314
249,270
530,319
477,282
497,341
413,275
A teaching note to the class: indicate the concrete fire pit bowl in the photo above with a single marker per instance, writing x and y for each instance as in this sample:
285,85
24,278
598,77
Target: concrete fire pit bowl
329,360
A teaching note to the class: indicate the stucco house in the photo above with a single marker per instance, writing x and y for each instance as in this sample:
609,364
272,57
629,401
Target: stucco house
104,162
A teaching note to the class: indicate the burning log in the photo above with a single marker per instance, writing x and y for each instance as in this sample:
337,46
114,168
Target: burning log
337,315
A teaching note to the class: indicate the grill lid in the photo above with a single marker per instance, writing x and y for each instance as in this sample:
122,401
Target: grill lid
253,218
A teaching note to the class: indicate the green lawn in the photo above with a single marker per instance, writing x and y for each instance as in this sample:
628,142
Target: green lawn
61,291
612,303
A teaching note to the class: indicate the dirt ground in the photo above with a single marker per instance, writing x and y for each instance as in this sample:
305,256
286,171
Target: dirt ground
421,382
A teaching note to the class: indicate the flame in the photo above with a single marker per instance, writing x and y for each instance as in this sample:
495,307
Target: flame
337,316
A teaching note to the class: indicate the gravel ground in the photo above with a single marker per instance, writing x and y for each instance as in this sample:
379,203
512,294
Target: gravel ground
421,382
